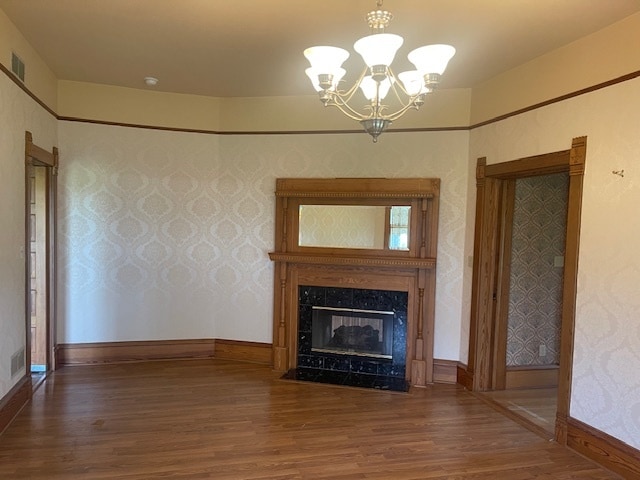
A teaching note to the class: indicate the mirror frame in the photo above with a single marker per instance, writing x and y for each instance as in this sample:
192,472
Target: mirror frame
421,194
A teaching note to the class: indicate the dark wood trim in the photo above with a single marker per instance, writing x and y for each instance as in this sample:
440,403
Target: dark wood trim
503,284
391,262
615,81
253,352
24,88
484,282
577,159
544,164
254,132
531,377
463,377
561,98
14,400
445,371
135,351
603,449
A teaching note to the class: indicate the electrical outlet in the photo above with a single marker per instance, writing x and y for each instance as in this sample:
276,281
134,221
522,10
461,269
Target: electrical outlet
542,350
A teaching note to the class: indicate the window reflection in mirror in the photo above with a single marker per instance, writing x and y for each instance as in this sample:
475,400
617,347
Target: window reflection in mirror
399,228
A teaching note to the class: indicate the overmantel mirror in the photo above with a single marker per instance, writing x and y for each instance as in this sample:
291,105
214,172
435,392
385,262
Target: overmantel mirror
372,227
361,217
359,235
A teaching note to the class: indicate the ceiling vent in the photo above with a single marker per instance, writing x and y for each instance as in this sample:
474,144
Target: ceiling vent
17,66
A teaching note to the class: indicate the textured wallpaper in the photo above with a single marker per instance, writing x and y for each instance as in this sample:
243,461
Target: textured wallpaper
166,234
18,112
606,385
535,287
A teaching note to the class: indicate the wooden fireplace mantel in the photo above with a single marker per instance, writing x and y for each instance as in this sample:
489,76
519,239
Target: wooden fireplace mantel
411,270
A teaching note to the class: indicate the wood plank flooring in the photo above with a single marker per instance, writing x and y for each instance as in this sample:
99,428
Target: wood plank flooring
205,419
536,406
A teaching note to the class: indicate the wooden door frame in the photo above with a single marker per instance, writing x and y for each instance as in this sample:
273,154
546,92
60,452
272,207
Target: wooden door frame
39,157
488,264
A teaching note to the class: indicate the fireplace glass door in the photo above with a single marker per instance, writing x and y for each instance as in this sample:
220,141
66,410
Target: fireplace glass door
366,333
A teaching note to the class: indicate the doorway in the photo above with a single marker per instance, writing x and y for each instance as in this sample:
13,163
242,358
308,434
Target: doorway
40,210
491,283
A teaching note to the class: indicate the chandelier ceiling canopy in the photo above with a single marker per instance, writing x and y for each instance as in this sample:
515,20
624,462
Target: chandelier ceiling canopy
377,79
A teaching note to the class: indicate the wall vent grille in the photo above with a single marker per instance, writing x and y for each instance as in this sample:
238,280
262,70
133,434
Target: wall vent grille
17,66
17,362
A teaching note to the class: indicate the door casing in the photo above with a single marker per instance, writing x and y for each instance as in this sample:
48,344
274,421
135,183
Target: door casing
489,241
39,157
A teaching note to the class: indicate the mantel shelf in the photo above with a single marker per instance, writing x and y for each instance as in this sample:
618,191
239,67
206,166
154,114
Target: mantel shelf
328,259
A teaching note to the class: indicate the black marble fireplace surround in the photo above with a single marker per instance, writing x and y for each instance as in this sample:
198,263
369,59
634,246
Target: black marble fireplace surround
359,370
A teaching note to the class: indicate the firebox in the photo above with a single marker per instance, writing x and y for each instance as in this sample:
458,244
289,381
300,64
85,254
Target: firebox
347,331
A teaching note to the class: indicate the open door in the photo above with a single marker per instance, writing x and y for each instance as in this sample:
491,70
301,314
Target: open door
40,262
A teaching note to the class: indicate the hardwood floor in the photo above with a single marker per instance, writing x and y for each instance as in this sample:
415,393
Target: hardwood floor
536,407
218,419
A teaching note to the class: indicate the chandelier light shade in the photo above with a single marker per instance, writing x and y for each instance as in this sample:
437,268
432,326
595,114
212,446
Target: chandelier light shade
377,80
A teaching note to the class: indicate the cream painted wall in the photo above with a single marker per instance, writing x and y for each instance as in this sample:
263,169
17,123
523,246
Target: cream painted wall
445,108
606,383
605,55
165,235
39,78
18,113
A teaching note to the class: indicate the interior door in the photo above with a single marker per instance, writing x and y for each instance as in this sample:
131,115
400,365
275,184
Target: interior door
38,290
41,167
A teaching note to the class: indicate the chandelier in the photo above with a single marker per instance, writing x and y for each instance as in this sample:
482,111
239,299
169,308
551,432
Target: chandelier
377,79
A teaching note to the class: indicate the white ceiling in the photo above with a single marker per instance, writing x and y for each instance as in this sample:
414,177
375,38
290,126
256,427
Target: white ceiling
229,48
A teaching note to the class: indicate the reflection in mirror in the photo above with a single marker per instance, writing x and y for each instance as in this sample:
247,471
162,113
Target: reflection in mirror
342,226
399,228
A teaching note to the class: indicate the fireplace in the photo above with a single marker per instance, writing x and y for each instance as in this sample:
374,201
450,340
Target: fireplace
351,336
355,308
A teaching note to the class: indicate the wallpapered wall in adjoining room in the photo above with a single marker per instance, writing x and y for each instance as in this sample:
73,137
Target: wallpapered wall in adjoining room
18,113
535,287
166,234
605,389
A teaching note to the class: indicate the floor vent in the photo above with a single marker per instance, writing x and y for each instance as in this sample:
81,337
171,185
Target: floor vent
17,66
17,362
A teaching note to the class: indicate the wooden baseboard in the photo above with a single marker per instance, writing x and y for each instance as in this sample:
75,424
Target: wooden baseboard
604,449
139,351
463,377
444,371
532,377
253,352
13,401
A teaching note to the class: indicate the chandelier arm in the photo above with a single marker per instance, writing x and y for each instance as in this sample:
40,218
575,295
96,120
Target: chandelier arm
398,84
347,110
346,96
401,111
